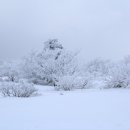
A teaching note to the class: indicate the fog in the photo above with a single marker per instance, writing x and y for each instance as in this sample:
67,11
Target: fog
96,28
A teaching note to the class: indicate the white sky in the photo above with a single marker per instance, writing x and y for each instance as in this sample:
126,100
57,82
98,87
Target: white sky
99,28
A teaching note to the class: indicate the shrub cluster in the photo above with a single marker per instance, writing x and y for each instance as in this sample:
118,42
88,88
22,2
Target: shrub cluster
58,67
20,89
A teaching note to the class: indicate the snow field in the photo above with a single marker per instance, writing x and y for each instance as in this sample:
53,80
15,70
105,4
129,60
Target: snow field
75,110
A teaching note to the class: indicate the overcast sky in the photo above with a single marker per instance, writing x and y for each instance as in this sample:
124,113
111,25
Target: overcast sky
98,28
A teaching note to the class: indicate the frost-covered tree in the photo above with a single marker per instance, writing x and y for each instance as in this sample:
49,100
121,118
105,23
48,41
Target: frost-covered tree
9,71
52,62
52,44
119,76
96,72
98,67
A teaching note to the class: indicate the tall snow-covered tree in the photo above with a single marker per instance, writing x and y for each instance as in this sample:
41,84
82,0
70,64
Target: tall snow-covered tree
50,63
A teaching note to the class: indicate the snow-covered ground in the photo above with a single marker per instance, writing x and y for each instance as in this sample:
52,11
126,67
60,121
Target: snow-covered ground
76,110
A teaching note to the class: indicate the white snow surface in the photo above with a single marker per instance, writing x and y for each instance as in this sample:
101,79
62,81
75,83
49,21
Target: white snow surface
89,109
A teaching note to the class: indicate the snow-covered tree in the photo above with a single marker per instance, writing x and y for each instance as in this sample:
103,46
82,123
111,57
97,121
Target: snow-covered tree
98,67
96,72
52,44
119,76
49,64
9,71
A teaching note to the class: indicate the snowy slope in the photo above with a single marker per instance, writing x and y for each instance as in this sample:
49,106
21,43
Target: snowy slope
75,110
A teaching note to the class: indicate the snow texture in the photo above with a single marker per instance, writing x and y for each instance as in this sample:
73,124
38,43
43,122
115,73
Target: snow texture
91,109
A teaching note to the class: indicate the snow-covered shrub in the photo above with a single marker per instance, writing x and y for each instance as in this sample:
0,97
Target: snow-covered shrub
68,83
65,83
20,89
98,67
97,71
119,76
9,71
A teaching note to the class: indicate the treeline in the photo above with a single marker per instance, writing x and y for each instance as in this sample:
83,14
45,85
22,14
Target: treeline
58,67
